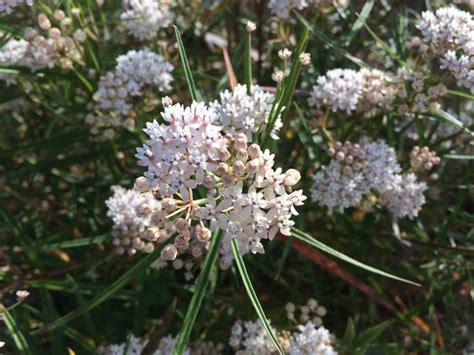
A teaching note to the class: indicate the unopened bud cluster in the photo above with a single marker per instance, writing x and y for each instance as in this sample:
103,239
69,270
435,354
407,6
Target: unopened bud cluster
135,72
130,212
311,311
53,43
423,159
351,156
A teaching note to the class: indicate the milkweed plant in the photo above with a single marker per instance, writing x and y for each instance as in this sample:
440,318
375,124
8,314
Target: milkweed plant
199,177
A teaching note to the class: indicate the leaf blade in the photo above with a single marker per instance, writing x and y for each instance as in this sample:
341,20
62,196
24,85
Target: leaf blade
317,244
198,295
253,296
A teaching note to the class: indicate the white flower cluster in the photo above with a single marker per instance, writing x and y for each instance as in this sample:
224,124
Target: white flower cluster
349,90
134,72
246,198
143,18
7,6
12,53
248,338
450,34
127,209
356,172
282,8
36,51
239,112
135,345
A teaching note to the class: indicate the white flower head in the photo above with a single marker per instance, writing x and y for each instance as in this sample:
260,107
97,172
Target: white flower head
144,18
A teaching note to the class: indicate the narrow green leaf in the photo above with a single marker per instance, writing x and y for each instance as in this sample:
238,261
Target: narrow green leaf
87,85
107,293
449,119
317,244
198,295
369,335
187,70
74,243
459,156
248,63
331,44
382,44
461,94
17,335
360,21
253,296
349,334
284,94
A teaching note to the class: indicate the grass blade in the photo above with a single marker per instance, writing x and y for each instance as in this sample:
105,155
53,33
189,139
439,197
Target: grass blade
105,294
461,94
248,63
253,296
74,243
317,244
187,70
18,337
284,95
381,43
449,119
459,156
330,43
198,295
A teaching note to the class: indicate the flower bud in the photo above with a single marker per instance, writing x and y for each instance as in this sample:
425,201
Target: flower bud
254,151
252,166
178,264
44,22
142,184
30,33
169,252
292,176
203,234
142,210
181,224
54,33
238,168
153,234
148,248
169,204
284,53
224,154
166,101
305,58
59,15
222,169
157,217
242,155
250,26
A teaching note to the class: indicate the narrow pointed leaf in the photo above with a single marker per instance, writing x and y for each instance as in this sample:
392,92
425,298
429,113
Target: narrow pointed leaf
253,296
187,70
198,295
105,294
16,333
317,244
382,44
451,120
331,44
